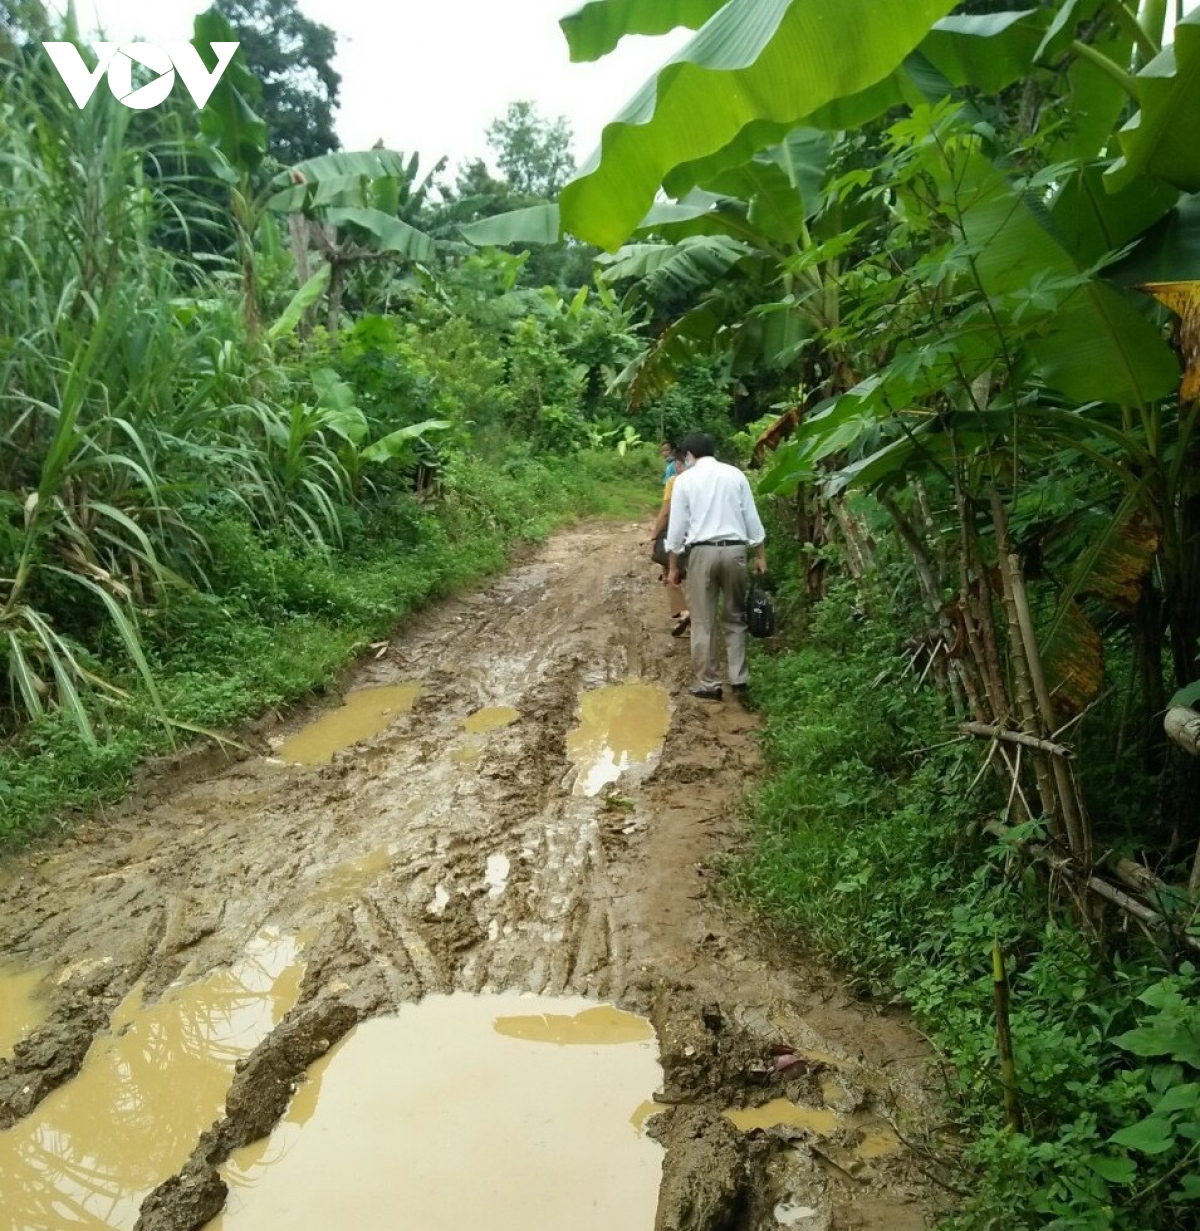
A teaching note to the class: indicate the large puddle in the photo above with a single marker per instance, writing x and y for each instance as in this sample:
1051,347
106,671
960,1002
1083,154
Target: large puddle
22,1005
362,714
97,1145
511,1113
620,725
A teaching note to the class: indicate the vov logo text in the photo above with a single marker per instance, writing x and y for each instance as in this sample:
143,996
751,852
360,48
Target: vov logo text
117,61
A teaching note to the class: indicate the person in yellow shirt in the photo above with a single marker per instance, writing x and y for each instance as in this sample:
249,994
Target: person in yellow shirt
676,603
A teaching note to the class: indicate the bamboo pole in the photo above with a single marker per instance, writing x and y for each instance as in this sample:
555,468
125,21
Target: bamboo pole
992,731
1008,1065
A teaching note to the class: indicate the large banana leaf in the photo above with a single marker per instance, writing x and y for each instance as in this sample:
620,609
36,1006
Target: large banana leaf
773,60
537,224
596,28
342,178
990,51
1168,252
1161,140
1096,347
1093,221
228,121
305,298
690,265
389,234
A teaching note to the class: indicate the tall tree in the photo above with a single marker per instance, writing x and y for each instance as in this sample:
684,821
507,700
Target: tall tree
292,57
534,153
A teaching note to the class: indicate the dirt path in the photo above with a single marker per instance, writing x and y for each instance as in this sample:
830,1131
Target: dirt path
427,860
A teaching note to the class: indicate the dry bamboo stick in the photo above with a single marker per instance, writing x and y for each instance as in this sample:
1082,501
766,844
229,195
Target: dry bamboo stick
990,731
1101,888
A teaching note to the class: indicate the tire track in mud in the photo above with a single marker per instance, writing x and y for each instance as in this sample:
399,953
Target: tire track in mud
380,862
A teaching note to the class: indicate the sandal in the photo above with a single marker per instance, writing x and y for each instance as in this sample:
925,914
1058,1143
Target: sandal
684,624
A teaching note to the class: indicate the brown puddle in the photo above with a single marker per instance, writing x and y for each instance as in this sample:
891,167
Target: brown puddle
781,1112
362,714
490,719
23,1008
96,1146
438,1118
620,725
876,1139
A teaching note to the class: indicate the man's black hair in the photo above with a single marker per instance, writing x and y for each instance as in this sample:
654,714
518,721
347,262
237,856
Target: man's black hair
699,444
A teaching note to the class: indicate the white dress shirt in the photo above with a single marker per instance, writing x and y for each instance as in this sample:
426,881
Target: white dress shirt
711,501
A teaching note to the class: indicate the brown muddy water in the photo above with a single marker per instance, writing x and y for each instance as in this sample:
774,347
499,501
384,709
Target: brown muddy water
364,712
491,1111
23,1005
620,726
96,1146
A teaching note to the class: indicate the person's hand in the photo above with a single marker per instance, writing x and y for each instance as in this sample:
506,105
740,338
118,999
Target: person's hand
672,577
760,566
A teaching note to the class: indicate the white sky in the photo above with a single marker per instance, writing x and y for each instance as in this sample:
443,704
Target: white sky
430,77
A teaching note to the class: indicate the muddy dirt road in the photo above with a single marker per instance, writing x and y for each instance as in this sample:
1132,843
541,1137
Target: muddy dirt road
534,805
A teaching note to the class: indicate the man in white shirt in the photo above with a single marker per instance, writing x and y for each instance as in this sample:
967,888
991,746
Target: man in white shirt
714,520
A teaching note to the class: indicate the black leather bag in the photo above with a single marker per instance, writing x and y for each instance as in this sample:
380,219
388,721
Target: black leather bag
658,552
760,612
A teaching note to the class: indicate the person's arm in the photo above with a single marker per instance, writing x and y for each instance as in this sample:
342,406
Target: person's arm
756,534
676,529
664,510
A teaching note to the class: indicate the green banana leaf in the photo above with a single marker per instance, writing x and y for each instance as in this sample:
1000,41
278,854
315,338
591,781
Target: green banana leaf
1162,138
1168,252
536,224
989,51
1096,347
774,60
598,27
342,178
1093,222
228,121
308,295
389,234
398,444
688,266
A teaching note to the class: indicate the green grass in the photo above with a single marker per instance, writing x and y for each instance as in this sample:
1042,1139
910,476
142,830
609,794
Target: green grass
285,618
867,846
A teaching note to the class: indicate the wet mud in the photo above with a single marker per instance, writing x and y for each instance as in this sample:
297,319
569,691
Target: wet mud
539,809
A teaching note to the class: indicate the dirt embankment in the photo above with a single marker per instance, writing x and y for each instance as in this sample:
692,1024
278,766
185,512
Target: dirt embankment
426,859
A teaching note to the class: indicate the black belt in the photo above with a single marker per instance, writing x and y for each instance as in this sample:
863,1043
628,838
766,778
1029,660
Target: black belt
722,543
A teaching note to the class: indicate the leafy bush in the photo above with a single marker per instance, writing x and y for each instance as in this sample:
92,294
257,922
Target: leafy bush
875,853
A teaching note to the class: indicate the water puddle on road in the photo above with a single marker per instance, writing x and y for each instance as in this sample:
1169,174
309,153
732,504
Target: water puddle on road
23,1006
362,714
449,1115
782,1113
621,725
875,1137
490,719
97,1145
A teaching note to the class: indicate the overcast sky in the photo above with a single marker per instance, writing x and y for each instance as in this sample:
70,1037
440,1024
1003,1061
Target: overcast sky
430,77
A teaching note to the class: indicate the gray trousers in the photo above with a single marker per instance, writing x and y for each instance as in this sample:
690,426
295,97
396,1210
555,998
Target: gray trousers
717,575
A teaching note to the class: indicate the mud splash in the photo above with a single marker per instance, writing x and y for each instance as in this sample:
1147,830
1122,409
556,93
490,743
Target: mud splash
621,725
408,1106
364,713
22,1005
97,1145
